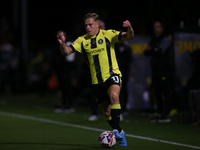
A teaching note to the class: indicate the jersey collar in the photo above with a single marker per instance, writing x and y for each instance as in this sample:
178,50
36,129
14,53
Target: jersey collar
95,35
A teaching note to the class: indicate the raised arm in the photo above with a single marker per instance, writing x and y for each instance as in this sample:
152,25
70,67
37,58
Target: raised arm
129,34
63,48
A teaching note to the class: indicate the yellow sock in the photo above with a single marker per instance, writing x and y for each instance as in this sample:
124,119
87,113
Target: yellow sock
109,118
115,106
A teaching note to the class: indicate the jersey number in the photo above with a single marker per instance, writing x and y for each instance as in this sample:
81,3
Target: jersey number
115,79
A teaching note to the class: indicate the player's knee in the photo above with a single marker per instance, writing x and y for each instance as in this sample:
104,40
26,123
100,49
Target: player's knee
114,98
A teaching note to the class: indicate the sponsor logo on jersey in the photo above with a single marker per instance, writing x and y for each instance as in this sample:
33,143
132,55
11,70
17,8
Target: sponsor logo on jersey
96,51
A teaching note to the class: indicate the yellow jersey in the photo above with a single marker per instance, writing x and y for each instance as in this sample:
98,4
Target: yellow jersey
99,53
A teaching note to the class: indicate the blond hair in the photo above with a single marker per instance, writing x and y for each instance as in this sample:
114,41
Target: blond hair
91,15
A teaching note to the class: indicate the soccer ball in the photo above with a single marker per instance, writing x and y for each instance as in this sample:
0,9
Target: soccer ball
107,139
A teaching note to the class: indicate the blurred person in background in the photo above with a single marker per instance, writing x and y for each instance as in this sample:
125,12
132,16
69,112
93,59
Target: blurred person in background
159,52
9,61
94,104
124,59
39,72
194,81
64,66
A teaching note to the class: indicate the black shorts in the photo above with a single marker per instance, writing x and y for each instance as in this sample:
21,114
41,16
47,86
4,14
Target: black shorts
100,90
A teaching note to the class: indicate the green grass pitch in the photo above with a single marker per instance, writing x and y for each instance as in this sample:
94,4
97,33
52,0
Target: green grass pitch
19,133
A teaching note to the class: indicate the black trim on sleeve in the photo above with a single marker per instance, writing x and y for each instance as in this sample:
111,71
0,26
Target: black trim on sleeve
72,47
120,36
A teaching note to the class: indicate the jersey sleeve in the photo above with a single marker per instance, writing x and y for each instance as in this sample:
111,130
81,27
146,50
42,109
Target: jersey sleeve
76,45
113,35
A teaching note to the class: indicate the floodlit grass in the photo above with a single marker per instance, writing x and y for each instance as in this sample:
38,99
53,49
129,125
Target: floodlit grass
26,134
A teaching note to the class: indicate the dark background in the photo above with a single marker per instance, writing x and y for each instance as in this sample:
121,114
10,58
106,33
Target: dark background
45,18
32,29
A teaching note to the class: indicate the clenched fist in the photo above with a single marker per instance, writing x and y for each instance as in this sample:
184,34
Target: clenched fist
61,38
126,24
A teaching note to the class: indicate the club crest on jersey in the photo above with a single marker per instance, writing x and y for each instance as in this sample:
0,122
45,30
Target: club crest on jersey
100,41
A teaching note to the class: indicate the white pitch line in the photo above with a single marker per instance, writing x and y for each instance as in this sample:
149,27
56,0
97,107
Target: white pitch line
89,128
